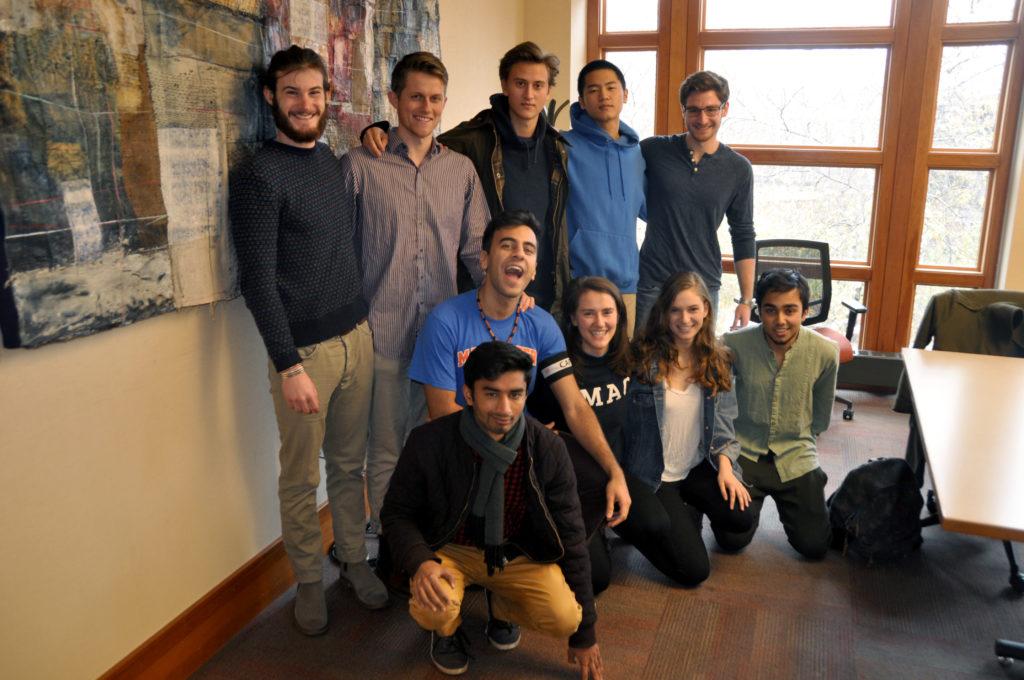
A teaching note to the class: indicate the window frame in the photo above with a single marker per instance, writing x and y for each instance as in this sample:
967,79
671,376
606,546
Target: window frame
915,39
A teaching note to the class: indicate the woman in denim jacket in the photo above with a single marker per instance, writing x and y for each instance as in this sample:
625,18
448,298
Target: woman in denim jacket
681,450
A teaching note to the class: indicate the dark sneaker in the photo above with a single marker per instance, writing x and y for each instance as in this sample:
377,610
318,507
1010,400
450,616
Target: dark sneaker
332,554
449,653
503,635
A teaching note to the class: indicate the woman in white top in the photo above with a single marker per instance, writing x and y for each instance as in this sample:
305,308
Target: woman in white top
681,450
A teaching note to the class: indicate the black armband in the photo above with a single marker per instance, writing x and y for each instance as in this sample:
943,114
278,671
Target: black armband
555,367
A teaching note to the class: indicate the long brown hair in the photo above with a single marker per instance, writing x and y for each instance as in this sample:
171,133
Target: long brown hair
619,359
654,344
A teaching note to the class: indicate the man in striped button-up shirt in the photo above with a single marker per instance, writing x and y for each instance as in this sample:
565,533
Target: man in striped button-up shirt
418,211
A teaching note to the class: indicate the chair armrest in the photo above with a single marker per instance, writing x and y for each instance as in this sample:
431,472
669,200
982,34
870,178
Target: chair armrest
854,307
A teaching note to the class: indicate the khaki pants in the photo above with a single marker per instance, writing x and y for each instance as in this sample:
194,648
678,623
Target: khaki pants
341,368
531,594
398,407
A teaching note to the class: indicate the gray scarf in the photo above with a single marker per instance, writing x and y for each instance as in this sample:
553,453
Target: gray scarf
489,504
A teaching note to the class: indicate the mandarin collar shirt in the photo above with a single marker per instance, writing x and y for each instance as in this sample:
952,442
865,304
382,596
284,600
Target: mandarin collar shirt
783,409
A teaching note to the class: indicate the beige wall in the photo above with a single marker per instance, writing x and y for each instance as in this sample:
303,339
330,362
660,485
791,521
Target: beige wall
1014,273
139,471
474,35
1012,261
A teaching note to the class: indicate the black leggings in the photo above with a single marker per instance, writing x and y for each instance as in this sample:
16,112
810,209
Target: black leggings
591,483
665,525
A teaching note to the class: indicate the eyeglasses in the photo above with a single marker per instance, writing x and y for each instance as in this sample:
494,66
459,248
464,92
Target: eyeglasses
709,111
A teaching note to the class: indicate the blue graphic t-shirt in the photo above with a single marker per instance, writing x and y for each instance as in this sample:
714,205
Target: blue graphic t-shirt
455,328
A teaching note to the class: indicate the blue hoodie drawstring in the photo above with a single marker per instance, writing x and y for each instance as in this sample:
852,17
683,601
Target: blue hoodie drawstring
622,181
608,167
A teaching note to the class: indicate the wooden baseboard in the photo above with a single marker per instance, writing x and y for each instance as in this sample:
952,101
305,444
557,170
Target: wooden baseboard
191,639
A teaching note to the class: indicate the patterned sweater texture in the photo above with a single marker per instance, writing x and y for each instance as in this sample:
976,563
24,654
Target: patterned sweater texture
298,268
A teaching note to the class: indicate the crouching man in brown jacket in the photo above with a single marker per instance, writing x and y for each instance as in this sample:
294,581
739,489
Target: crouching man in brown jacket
488,495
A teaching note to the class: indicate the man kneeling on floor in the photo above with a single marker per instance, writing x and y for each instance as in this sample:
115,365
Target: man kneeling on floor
487,495
785,386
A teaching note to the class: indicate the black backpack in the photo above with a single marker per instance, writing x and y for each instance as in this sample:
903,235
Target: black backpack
876,512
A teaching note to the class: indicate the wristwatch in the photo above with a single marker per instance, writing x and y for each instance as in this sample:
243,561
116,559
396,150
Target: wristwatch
749,302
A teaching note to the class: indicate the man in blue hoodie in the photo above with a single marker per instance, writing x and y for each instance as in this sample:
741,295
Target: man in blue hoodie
606,183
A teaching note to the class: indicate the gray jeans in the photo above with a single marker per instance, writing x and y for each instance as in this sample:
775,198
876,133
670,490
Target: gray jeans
398,407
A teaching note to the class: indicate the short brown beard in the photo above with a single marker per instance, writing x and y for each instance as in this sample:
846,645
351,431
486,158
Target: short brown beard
285,125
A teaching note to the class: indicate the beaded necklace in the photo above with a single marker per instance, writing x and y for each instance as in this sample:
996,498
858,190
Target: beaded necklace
483,317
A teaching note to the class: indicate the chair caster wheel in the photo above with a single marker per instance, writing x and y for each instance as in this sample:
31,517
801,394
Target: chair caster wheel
848,414
1004,661
1017,582
933,506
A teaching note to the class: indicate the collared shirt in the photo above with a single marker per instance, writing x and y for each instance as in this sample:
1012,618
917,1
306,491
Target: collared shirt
413,226
783,409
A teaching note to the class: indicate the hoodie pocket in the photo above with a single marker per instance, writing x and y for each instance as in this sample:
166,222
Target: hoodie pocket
602,253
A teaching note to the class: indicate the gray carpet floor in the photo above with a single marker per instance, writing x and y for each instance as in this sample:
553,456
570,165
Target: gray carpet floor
764,613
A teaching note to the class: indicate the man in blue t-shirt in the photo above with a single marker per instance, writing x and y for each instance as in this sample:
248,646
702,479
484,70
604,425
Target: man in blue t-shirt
493,312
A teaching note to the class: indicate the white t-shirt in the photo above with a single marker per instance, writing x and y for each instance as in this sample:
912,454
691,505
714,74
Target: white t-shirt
681,431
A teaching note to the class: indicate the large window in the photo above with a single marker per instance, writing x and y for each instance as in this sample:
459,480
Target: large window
885,127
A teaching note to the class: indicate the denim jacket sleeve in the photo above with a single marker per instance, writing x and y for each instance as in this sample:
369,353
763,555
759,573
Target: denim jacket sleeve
724,438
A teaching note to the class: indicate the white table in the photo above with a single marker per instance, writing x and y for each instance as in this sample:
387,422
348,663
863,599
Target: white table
970,414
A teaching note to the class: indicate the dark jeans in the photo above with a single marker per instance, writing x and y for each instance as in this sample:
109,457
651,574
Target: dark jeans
600,562
665,525
801,505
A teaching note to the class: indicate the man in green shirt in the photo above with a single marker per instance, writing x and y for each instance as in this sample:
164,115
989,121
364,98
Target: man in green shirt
785,386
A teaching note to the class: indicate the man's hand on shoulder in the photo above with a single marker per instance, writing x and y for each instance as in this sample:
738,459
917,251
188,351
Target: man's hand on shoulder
300,393
427,590
589,659
375,141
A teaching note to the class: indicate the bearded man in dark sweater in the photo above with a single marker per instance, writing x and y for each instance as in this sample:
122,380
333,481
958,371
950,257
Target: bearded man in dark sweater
301,281
487,495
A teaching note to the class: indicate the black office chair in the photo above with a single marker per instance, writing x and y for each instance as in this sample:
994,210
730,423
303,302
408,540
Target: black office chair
811,259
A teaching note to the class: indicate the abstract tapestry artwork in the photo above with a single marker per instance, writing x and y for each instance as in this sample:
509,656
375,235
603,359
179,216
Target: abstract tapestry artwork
119,123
